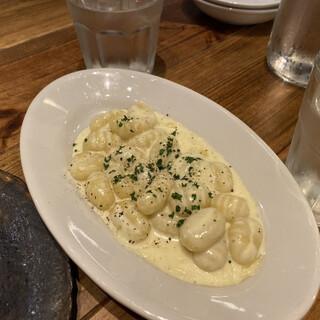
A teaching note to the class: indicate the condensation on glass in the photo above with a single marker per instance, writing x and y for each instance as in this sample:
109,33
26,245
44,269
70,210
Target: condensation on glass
303,159
295,40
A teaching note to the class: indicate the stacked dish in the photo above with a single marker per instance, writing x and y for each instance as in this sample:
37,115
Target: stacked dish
239,12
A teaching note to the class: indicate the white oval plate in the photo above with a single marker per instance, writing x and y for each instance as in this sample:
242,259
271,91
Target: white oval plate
248,4
288,281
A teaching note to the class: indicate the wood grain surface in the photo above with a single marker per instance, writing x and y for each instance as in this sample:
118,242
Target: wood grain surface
225,63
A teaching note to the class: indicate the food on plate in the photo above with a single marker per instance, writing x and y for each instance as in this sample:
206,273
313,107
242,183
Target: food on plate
168,196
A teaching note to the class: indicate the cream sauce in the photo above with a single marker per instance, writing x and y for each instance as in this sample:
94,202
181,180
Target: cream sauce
166,252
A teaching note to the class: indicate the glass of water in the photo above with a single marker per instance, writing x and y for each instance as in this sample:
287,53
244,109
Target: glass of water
304,155
117,33
295,40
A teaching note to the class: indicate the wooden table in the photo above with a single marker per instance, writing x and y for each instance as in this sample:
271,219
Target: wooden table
225,63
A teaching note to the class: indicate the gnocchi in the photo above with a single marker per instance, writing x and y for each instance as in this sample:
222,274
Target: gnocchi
139,118
155,197
98,191
166,223
168,196
132,224
212,259
104,119
245,237
202,229
101,140
233,207
186,198
83,164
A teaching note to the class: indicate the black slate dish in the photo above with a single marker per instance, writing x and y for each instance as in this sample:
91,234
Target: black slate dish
35,274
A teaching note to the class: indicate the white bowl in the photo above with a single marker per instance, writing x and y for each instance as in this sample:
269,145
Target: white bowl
288,281
236,15
248,4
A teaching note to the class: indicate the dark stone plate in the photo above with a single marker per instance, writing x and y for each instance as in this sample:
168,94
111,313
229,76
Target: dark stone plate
35,274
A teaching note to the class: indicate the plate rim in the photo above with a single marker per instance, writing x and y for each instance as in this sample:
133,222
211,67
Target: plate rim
235,10
247,4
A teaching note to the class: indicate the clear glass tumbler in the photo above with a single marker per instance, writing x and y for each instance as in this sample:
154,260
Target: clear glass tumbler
304,155
117,33
295,40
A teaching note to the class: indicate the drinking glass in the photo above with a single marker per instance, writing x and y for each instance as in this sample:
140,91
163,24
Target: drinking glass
117,33
295,40
304,155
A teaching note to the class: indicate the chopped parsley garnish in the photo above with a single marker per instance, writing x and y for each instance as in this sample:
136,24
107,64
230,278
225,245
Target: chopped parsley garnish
194,196
160,189
176,177
196,185
169,145
133,198
171,215
178,208
74,144
107,159
176,196
106,166
131,159
125,118
85,140
174,133
118,178
194,207
119,150
161,152
138,169
210,195
159,164
150,166
189,159
151,178
189,170
150,191
180,223
132,177
186,210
